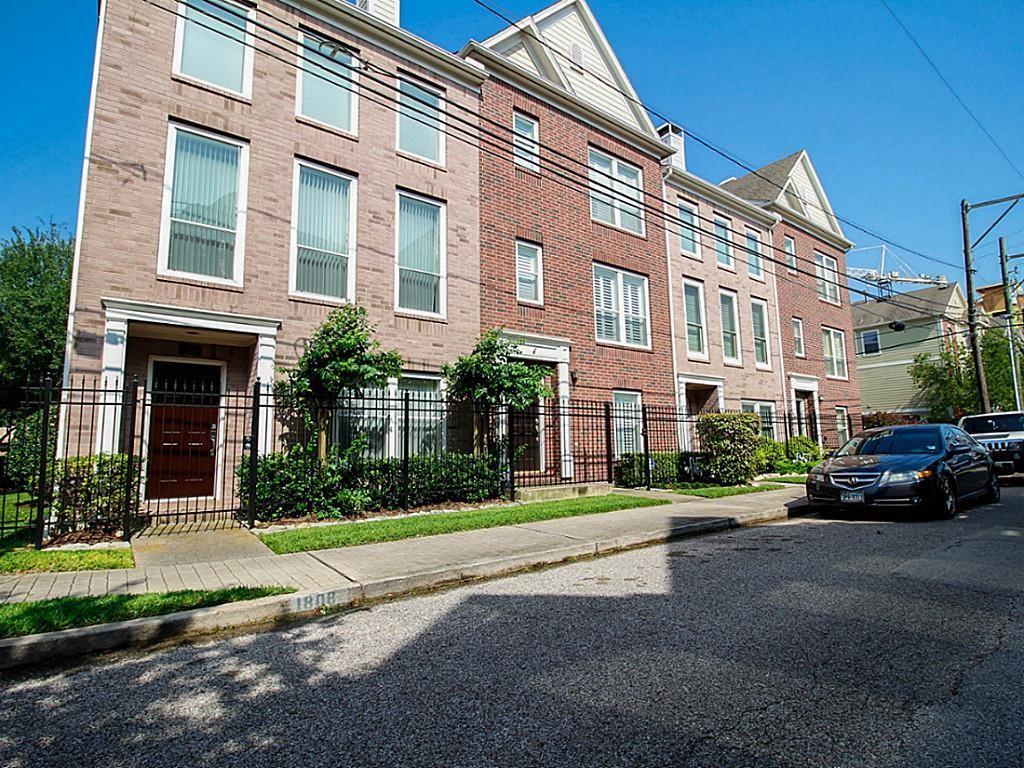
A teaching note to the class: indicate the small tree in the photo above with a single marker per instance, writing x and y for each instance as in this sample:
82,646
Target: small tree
730,441
342,356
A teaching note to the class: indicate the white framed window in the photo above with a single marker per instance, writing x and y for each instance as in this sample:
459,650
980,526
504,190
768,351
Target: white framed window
759,325
868,343
620,307
689,238
842,425
526,141
420,274
833,344
529,273
789,248
325,89
696,321
420,120
826,271
323,233
202,233
616,192
731,351
723,243
755,260
213,44
378,416
798,337
766,411
628,409
427,415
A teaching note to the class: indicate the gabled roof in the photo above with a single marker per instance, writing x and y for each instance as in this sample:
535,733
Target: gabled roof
564,45
928,302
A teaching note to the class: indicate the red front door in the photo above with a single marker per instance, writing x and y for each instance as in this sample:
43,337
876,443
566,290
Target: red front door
183,423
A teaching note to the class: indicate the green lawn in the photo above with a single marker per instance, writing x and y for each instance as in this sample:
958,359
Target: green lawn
351,534
18,619
790,479
27,559
721,491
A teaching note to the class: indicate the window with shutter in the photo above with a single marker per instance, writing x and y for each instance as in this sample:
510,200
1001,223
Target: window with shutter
759,321
525,142
529,273
621,307
628,423
730,327
616,192
798,337
693,299
606,304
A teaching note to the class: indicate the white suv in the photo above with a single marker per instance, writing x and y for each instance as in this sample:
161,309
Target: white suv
1003,435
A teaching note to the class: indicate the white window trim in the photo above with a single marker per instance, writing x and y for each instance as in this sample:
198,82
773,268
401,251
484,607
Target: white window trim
539,301
787,239
758,404
443,287
163,250
615,415
353,75
760,254
293,259
803,338
622,307
767,334
738,360
608,189
247,48
828,283
695,210
533,163
846,359
442,119
859,347
846,422
705,355
729,244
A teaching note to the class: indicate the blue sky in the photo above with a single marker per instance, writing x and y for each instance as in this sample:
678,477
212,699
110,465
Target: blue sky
894,150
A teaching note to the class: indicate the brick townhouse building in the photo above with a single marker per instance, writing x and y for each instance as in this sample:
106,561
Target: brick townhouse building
816,335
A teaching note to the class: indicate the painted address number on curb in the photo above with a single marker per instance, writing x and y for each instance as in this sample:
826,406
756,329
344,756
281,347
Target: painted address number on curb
321,600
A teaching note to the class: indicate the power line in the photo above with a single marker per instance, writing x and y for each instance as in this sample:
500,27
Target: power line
951,89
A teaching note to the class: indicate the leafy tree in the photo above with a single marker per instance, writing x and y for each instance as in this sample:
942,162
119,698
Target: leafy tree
35,283
490,375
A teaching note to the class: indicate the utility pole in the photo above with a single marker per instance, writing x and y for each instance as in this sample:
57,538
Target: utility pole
1011,335
972,310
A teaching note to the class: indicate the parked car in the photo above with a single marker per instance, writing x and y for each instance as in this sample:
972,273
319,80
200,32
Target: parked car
918,467
1003,435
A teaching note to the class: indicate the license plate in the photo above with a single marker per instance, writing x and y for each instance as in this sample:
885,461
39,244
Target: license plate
852,497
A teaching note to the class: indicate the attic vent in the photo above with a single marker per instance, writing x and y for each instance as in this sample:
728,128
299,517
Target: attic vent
363,5
576,55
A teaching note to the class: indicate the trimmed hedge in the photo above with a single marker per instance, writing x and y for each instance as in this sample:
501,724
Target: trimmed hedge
667,467
731,442
92,491
21,464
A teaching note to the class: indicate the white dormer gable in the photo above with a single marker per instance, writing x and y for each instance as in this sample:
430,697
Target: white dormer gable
564,45
810,199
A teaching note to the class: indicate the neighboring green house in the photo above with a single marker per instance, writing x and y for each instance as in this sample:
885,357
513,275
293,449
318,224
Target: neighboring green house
885,353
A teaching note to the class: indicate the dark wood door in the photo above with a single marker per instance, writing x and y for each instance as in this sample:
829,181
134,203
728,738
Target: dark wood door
528,441
183,423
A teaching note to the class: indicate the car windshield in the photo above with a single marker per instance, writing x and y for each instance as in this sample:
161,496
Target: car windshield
922,441
994,422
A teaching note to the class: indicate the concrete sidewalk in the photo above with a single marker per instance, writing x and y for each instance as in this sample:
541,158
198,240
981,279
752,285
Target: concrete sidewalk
374,570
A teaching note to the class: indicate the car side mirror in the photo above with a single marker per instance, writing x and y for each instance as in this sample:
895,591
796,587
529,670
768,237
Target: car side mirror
959,450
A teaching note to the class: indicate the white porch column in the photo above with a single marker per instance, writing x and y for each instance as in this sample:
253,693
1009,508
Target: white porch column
565,421
115,345
266,352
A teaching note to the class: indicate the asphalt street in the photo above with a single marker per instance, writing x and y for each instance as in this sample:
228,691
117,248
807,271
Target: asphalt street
818,642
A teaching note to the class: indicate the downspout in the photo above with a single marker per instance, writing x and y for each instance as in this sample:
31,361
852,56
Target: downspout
778,323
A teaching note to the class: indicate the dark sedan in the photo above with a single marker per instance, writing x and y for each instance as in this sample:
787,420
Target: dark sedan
926,467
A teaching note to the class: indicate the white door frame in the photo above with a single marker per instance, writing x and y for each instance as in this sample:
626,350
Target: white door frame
802,383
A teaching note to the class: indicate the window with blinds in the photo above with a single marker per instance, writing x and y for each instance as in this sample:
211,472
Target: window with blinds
755,261
693,301
420,121
759,323
616,192
420,255
688,243
723,242
323,237
730,327
204,212
826,271
426,416
621,307
529,273
833,344
628,420
798,337
211,44
326,84
526,142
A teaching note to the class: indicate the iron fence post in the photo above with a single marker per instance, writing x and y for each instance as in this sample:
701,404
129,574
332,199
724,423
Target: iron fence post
131,401
511,458
406,431
647,445
608,451
44,455
254,454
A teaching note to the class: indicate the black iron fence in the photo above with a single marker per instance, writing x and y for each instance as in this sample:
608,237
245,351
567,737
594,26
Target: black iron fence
83,460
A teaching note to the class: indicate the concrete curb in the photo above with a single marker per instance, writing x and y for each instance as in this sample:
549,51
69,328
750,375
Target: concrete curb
51,646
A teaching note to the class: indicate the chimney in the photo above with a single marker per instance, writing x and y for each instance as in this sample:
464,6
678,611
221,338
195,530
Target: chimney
673,136
385,10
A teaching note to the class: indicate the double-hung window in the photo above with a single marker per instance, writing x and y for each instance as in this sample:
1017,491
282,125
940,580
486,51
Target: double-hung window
842,425
420,120
723,242
826,271
421,257
529,273
616,192
696,327
323,248
767,413
526,142
426,416
628,423
621,307
730,327
213,44
798,337
755,261
789,248
204,206
326,84
868,342
833,344
689,243
759,324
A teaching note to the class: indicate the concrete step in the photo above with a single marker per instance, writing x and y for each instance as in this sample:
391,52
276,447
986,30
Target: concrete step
557,492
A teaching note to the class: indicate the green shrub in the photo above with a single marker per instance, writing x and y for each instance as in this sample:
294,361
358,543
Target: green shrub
21,467
730,441
771,454
92,491
667,467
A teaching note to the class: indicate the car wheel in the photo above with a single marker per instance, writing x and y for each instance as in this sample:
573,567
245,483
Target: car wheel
995,491
947,498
